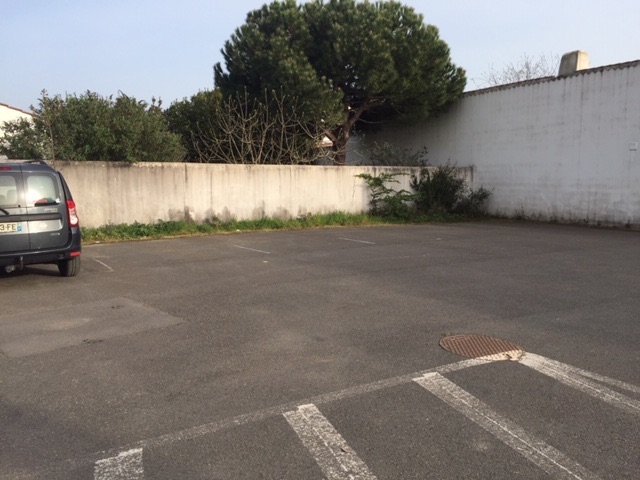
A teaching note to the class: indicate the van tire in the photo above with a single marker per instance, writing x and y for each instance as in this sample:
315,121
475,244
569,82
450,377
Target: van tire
69,268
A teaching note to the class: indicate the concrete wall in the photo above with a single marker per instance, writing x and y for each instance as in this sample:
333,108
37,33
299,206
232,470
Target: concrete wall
115,193
560,149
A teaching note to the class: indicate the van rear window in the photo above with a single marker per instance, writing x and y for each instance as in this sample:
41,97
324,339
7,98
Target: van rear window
8,191
42,190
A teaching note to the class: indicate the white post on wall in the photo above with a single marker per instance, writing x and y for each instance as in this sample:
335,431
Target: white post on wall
573,62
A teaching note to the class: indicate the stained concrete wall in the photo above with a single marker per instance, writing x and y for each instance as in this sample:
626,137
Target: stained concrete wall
563,149
115,193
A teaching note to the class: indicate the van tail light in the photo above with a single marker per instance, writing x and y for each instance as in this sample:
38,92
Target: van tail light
73,214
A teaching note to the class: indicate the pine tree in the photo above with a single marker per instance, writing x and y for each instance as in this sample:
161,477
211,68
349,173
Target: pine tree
348,64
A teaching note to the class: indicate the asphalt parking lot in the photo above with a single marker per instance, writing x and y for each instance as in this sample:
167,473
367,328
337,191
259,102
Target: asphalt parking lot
314,354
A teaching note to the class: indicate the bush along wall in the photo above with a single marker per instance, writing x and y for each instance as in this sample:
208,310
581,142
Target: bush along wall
439,192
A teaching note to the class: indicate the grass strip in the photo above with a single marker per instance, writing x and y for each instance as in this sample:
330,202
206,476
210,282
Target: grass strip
168,229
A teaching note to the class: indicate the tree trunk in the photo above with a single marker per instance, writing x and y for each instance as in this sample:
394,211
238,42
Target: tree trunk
340,136
340,150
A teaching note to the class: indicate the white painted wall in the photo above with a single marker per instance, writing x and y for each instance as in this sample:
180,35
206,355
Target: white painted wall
115,193
557,149
9,114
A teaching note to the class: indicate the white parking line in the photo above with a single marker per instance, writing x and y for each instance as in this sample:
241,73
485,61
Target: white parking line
103,264
125,466
552,461
357,241
260,415
252,249
587,374
576,378
108,460
330,451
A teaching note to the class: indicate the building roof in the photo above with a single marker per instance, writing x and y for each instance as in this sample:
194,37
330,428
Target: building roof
15,108
535,81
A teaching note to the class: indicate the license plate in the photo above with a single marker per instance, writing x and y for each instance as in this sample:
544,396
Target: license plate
10,227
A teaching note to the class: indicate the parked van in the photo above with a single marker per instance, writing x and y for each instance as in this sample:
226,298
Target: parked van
38,218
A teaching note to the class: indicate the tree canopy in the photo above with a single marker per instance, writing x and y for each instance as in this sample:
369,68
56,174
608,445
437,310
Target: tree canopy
348,64
191,117
244,128
92,127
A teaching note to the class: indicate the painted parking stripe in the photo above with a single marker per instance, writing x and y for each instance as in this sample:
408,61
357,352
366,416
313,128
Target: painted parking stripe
587,374
252,249
552,461
103,264
357,241
124,466
332,454
577,379
260,415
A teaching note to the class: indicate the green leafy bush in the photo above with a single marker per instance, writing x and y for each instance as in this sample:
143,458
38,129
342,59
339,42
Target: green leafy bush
472,203
386,201
446,191
92,127
437,192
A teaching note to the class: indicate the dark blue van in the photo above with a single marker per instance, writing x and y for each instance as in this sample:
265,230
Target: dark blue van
38,218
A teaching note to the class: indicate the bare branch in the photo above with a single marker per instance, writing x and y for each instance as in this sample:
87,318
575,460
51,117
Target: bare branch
267,131
526,68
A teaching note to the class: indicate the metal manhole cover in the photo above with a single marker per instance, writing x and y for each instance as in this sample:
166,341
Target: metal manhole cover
481,346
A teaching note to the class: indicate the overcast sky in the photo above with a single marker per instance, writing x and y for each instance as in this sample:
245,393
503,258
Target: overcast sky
167,48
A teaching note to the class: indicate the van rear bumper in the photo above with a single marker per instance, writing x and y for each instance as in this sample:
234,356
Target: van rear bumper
29,257
33,258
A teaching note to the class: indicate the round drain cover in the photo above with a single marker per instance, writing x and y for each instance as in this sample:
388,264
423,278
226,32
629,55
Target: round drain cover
481,346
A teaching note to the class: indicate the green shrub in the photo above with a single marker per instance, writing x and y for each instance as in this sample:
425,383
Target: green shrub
437,193
472,203
385,201
446,191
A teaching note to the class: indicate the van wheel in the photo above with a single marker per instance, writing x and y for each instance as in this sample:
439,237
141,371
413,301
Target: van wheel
69,268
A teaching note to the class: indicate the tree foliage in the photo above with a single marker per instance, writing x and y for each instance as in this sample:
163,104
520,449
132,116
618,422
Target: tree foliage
191,117
92,127
349,63
250,130
21,140
243,128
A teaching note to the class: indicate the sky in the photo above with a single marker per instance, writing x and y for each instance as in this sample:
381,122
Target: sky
167,48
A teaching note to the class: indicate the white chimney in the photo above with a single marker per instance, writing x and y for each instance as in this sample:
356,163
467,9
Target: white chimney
573,62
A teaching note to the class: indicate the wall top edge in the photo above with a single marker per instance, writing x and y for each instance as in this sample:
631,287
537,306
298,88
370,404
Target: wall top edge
536,81
16,109
237,166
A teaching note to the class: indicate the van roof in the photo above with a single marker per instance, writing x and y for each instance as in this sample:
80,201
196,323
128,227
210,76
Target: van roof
25,165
